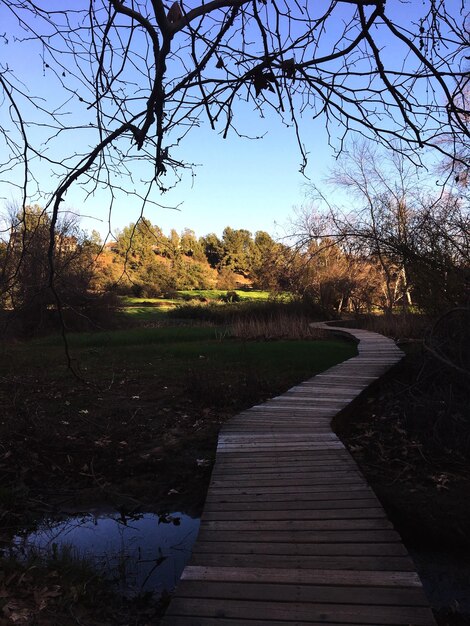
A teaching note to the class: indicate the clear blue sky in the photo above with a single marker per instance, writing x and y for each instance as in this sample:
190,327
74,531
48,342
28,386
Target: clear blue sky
243,183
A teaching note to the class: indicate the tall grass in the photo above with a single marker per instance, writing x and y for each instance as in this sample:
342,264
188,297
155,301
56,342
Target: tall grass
229,314
278,326
396,326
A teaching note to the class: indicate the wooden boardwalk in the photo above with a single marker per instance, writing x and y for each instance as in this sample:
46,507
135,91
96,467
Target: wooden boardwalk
291,532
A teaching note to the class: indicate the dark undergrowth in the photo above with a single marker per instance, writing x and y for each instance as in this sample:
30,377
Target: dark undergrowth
411,437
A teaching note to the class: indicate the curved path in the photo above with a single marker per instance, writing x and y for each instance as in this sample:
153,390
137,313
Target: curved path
291,532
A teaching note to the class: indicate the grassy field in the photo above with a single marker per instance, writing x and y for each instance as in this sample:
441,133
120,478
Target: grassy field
198,304
142,314
216,294
187,294
176,351
145,310
144,386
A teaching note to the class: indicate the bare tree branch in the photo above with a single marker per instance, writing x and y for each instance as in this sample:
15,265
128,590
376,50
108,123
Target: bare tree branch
129,81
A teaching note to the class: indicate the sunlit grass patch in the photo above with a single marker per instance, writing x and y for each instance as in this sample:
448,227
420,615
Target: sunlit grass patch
217,294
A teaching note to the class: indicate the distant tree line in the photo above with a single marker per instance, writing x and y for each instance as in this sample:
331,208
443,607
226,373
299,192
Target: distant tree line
74,277
143,261
397,245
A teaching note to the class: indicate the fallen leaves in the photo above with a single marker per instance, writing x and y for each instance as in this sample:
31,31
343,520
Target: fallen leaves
24,595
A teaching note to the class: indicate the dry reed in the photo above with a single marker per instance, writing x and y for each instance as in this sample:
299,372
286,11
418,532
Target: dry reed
280,326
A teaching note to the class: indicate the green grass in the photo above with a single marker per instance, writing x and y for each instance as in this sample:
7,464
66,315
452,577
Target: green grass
174,351
208,294
130,301
216,294
143,310
145,313
130,337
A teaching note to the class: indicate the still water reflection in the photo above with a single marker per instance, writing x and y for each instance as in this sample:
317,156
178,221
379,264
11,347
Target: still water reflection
141,553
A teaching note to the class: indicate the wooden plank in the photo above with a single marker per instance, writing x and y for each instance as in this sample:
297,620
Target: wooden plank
313,456
377,578
315,549
271,422
266,469
308,460
270,437
266,466
273,426
280,489
292,412
250,447
293,508
300,402
295,524
288,513
301,536
326,594
225,480
245,474
290,611
310,496
285,561
175,620
324,459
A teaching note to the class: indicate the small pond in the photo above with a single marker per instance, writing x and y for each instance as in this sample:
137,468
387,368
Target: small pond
148,552
140,553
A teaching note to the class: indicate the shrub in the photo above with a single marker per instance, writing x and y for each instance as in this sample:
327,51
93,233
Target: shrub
396,326
230,296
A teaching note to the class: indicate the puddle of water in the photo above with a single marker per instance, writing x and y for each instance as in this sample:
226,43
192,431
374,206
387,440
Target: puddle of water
142,553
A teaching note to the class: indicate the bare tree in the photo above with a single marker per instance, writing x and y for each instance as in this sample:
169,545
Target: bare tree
25,289
416,237
137,75
459,165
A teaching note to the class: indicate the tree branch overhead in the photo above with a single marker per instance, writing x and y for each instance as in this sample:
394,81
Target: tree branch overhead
139,75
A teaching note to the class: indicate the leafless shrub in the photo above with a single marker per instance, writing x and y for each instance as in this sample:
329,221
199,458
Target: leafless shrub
398,326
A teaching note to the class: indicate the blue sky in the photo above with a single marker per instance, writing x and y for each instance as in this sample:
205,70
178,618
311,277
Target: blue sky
243,183
238,182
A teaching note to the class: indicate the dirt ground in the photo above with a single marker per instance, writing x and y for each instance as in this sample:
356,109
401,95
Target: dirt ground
160,450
